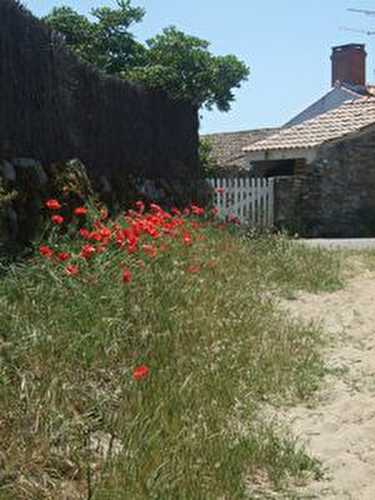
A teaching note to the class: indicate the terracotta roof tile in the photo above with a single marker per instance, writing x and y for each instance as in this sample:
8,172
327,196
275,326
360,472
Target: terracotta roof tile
346,119
227,148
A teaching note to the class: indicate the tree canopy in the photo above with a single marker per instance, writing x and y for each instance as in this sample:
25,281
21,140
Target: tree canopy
179,63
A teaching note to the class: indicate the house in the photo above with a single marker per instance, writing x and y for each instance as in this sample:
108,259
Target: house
324,171
324,166
227,148
293,149
348,84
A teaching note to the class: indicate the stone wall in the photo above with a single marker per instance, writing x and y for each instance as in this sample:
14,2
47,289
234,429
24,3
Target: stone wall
25,185
337,197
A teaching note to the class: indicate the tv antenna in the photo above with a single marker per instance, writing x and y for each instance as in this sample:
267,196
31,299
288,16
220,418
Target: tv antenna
360,11
363,11
364,32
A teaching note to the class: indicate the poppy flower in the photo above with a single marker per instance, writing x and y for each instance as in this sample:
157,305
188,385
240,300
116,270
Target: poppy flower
105,232
187,239
155,208
193,269
101,249
53,204
150,250
197,210
46,251
126,276
140,206
63,256
215,211
132,248
72,270
103,214
85,233
87,251
141,372
220,190
95,236
57,219
80,211
175,211
233,219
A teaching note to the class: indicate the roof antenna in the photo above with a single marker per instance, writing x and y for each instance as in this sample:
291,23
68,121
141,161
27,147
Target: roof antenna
363,11
364,32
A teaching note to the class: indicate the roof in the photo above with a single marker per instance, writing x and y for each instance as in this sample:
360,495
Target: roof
227,148
348,118
339,94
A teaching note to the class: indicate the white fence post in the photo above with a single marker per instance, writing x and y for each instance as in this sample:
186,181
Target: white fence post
251,200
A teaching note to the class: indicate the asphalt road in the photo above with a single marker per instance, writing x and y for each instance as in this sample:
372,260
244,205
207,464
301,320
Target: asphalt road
341,244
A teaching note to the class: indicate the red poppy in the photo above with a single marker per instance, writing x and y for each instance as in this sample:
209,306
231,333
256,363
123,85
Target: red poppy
155,208
101,249
233,219
72,270
193,269
215,211
197,210
63,256
132,248
45,251
105,232
220,190
87,251
126,276
57,219
95,236
80,211
187,239
103,214
141,372
140,206
175,211
53,204
85,233
150,250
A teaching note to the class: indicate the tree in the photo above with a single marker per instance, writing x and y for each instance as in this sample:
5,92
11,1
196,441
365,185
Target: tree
180,64
105,42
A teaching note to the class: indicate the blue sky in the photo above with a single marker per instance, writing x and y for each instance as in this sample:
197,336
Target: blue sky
286,43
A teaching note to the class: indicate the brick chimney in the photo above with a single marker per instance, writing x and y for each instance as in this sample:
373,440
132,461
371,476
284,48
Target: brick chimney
349,64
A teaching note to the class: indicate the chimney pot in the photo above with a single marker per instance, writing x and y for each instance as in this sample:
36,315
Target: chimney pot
349,64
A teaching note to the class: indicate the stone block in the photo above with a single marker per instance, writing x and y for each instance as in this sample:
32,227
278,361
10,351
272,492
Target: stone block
7,171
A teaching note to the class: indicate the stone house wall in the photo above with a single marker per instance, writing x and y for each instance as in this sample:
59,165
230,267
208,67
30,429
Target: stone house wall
337,197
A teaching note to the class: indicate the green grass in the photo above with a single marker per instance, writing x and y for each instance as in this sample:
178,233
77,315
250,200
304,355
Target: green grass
217,347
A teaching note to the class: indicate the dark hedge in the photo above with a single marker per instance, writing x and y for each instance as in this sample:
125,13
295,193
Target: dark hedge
54,107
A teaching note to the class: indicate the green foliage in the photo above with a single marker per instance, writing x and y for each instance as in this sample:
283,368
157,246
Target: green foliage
180,64
207,162
105,42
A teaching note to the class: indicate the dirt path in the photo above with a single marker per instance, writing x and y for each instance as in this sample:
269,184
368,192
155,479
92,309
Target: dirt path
340,428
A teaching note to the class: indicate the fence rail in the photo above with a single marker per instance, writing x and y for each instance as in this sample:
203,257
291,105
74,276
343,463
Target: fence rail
251,200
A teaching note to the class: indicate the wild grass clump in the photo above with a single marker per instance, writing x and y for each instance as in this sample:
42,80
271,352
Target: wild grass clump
293,266
134,356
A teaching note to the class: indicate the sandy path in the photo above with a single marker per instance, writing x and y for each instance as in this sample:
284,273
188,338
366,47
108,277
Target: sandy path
340,428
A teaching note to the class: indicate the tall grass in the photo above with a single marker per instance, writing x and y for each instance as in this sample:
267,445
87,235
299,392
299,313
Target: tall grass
74,419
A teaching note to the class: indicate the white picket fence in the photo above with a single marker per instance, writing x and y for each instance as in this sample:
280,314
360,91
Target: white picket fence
251,200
